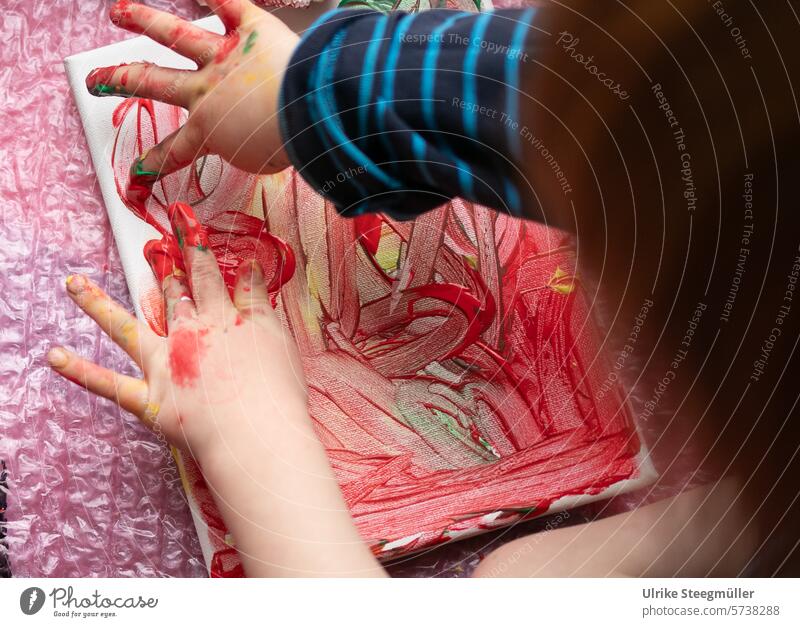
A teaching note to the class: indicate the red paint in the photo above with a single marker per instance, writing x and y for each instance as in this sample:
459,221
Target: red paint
154,311
233,237
136,190
102,75
368,227
120,13
186,349
187,229
419,376
164,257
229,43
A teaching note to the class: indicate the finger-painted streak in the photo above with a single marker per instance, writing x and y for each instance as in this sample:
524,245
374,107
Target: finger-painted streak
186,349
521,393
138,189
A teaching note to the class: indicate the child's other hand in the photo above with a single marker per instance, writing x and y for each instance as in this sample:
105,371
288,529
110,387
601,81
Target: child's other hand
232,97
226,369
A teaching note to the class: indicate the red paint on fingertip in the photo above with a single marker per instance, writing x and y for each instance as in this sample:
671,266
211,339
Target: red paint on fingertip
164,257
187,227
120,13
102,75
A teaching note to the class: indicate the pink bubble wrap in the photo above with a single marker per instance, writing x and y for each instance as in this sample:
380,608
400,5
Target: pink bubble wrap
91,492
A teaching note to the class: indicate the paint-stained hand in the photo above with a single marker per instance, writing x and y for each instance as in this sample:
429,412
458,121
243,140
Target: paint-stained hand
232,97
225,365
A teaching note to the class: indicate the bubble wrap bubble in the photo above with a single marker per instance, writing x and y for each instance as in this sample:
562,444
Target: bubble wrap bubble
91,492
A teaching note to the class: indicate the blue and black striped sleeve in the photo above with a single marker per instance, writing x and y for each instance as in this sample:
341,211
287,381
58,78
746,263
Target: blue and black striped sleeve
400,112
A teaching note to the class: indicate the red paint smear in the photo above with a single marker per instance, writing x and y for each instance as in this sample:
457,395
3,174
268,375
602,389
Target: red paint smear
102,75
368,227
229,43
233,237
152,305
164,257
186,349
184,222
461,383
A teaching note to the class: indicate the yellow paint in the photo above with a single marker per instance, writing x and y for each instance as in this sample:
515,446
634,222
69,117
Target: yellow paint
561,282
178,457
311,279
129,329
389,248
151,411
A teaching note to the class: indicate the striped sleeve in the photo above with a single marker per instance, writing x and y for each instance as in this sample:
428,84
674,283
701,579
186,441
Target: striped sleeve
400,112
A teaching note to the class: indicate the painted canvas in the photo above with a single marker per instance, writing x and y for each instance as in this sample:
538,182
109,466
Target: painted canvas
456,373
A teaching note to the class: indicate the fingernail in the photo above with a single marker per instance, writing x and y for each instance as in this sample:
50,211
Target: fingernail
98,82
188,231
139,175
118,12
249,273
57,357
164,257
76,283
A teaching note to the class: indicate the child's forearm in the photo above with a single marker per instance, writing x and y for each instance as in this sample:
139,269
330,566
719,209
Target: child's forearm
278,496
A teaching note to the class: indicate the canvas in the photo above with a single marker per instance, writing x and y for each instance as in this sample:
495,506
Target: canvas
456,373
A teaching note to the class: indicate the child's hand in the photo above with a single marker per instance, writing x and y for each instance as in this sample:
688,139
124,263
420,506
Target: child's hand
232,98
224,366
227,384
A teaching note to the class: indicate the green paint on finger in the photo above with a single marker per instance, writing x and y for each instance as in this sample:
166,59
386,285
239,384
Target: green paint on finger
251,40
101,89
138,173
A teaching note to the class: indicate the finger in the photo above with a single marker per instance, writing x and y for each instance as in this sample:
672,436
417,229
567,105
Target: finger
208,289
129,393
166,261
178,150
123,328
231,12
181,36
143,80
250,291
